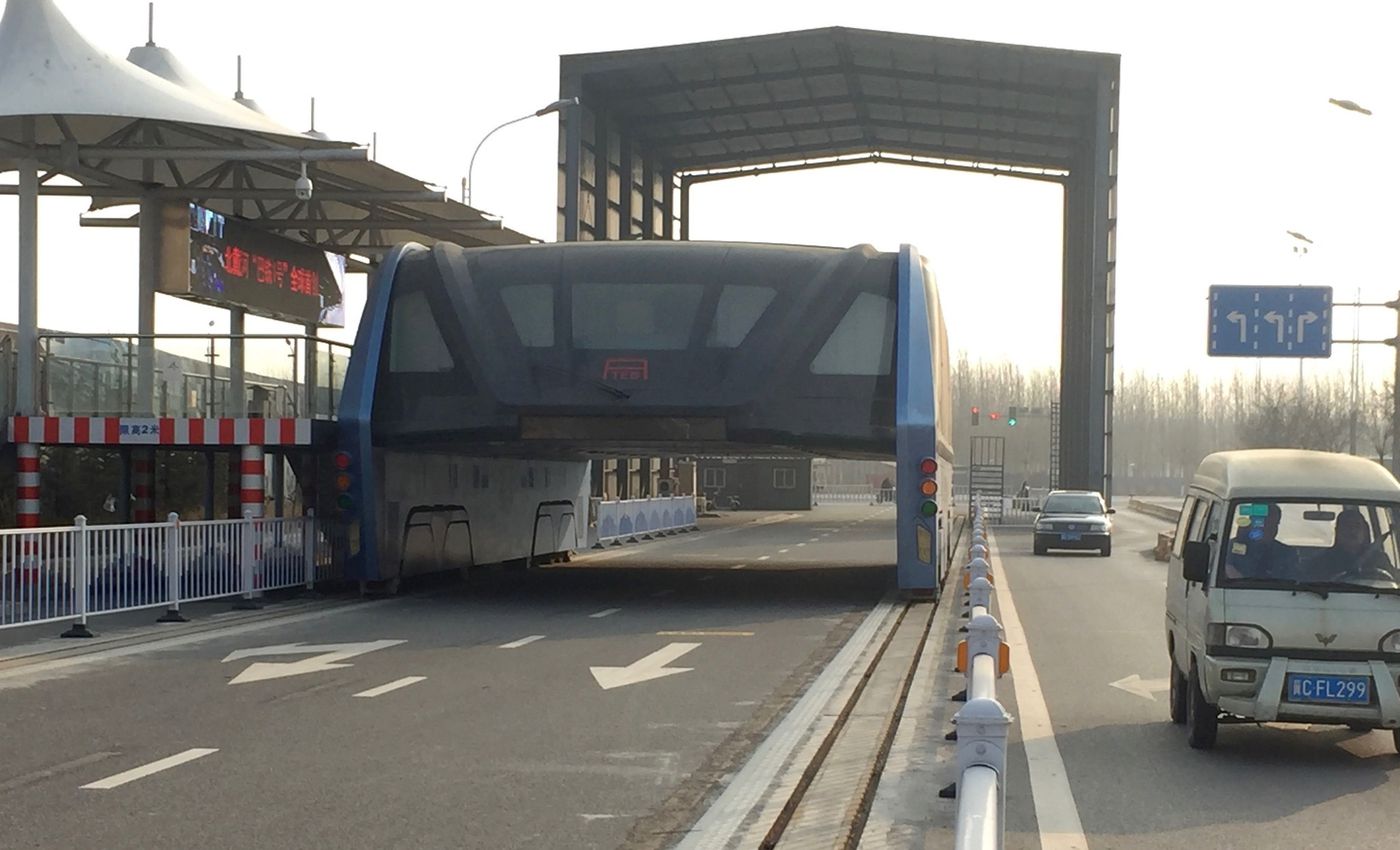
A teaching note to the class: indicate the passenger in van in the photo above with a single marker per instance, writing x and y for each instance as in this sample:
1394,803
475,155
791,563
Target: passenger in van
1350,555
1264,556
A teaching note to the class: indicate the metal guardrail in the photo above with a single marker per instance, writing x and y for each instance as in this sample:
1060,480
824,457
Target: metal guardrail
632,520
841,494
982,724
81,571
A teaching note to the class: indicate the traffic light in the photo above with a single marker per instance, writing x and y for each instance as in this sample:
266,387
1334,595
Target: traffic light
928,486
1011,417
976,414
995,416
343,500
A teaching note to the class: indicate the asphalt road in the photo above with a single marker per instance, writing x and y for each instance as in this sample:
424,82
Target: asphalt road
1092,621
469,715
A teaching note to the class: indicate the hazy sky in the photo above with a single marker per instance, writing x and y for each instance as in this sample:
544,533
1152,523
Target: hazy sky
1227,140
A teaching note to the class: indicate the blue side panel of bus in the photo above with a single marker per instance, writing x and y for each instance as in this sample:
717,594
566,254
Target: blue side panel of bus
916,434
356,409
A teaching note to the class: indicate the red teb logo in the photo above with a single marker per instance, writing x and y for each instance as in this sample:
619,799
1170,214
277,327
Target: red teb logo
625,369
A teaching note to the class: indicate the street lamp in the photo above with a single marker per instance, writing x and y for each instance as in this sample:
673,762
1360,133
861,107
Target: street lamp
1349,105
556,106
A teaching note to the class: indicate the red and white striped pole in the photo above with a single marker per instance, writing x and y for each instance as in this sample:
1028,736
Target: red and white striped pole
143,485
250,470
27,486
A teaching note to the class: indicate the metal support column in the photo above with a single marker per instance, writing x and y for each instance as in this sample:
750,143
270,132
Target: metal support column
27,359
144,403
685,209
236,404
309,380
209,477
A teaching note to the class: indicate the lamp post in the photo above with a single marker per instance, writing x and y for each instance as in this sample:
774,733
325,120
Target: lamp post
1393,342
556,106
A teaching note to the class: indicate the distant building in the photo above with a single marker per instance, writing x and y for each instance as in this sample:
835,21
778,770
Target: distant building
760,484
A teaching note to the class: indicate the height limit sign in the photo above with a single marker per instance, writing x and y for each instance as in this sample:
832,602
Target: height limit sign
1270,321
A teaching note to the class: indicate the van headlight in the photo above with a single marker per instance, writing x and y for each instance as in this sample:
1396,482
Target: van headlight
1243,636
1391,643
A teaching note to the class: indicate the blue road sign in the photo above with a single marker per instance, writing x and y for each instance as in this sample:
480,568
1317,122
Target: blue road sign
1270,321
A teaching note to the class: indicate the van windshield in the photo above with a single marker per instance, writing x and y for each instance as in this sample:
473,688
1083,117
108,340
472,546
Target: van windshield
1324,546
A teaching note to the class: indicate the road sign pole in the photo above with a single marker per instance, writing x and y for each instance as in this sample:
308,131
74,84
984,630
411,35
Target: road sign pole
1395,393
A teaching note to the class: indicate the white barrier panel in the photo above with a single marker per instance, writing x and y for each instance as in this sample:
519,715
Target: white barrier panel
54,574
631,520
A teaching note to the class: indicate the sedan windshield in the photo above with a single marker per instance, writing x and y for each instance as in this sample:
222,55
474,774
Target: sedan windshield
1077,503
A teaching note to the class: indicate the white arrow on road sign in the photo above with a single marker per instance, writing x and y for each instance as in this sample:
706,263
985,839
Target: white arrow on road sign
328,656
650,667
1303,321
1242,320
1139,686
1275,319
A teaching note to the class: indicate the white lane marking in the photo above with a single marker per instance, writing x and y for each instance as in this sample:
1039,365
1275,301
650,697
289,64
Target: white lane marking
328,657
746,792
738,566
644,669
1056,814
525,641
606,612
800,545
392,686
782,551
764,557
664,592
709,577
814,539
117,780
27,674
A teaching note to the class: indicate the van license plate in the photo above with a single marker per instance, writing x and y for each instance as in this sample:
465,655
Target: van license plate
1069,536
1343,690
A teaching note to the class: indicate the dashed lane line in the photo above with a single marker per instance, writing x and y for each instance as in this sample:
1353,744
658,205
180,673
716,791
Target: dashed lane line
391,686
525,641
606,612
120,779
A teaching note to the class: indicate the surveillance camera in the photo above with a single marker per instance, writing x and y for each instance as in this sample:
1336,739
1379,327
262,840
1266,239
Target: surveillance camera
303,185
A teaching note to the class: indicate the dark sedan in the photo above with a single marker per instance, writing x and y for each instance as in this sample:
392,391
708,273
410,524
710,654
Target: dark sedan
1074,519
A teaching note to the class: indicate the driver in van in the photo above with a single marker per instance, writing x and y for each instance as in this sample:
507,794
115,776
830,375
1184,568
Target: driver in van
1256,551
1351,554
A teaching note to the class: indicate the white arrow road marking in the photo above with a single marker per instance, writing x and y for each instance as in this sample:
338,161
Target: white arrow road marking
650,667
1139,686
329,658
1275,319
145,770
391,686
1305,319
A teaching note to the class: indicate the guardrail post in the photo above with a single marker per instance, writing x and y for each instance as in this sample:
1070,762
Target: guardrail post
82,580
247,549
982,727
172,572
308,546
983,638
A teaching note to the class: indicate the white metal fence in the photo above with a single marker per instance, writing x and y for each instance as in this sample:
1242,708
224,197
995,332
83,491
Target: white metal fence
631,520
838,494
51,574
982,723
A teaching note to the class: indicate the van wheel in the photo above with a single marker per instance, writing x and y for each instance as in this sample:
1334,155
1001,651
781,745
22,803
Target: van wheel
1177,694
1202,719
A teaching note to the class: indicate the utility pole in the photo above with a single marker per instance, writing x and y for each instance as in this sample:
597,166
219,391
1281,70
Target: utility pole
1395,391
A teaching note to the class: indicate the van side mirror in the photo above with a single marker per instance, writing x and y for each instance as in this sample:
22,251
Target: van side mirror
1195,561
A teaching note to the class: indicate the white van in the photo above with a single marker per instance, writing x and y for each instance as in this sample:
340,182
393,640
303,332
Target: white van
1283,594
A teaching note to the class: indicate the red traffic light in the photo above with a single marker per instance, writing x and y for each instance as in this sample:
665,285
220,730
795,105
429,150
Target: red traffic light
996,416
342,460
928,466
976,409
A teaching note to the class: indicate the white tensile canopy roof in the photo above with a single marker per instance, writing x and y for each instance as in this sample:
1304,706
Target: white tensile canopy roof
124,129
